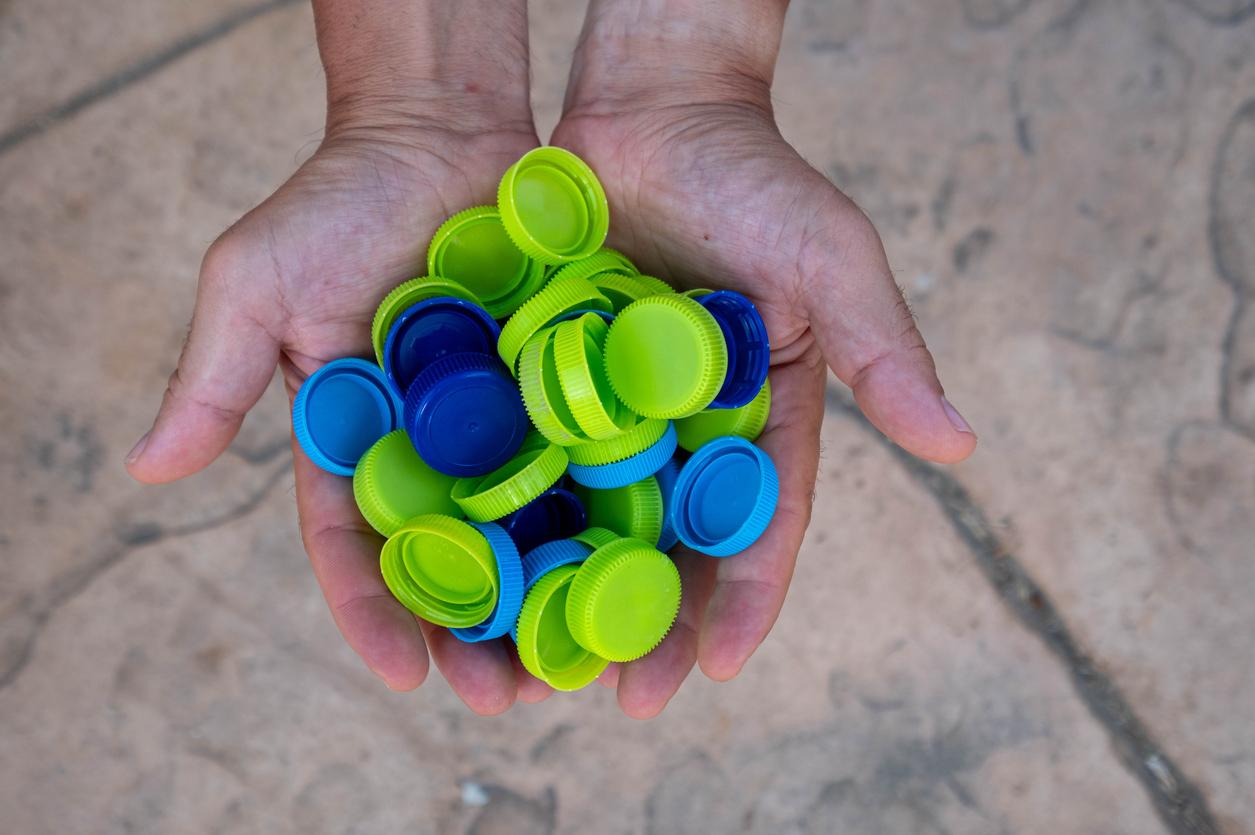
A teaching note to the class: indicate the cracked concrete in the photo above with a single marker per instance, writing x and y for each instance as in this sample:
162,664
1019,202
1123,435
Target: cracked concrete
1056,642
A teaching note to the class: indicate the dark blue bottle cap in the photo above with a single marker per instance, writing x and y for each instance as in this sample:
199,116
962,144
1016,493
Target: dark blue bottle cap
749,351
554,514
434,328
464,415
341,410
725,497
510,588
667,476
629,470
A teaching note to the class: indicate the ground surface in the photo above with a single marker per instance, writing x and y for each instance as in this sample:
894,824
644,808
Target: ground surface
1052,637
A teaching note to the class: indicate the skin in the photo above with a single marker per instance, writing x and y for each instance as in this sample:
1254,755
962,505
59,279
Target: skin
670,104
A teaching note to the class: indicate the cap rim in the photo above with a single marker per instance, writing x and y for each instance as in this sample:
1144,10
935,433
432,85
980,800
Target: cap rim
554,299
300,409
756,521
590,583
410,592
510,588
535,401
591,191
635,440
644,519
534,605
623,473
746,422
536,476
575,376
405,295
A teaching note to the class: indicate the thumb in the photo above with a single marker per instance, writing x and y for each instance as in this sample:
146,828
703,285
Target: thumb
226,364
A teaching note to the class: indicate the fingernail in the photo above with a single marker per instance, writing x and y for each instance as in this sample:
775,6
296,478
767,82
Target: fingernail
956,419
138,449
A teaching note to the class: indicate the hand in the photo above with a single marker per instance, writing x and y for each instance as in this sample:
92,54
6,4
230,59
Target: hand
705,192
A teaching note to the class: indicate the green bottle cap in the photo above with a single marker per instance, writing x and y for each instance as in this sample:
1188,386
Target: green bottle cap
602,261
577,346
745,422
442,570
666,356
623,600
625,264
697,292
392,484
507,488
622,290
596,537
542,392
640,437
546,647
406,295
632,511
558,297
553,206
473,249
660,287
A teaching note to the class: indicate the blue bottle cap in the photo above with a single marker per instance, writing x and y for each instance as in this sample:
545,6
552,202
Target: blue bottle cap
545,558
554,514
341,410
434,328
464,415
748,348
509,582
629,470
667,475
725,497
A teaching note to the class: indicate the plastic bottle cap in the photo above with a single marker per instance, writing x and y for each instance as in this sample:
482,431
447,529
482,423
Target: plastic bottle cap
725,497
545,558
405,296
512,485
634,510
639,438
464,415
555,514
746,422
546,647
666,356
697,292
657,285
558,297
341,410
621,289
442,570
623,600
577,351
749,351
667,475
623,473
510,588
473,249
594,538
542,392
553,206
392,484
625,264
602,261
434,328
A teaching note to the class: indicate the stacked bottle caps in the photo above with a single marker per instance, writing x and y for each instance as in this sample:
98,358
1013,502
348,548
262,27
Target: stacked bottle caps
543,424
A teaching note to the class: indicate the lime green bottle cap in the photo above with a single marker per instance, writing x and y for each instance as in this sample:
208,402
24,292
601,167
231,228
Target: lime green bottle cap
442,570
697,292
392,484
546,646
659,287
406,295
514,484
640,437
623,600
635,510
621,289
602,261
558,297
542,392
745,422
625,264
596,537
666,356
553,206
577,347
473,249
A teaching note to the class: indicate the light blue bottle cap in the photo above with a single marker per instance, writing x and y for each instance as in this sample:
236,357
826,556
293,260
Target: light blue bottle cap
667,476
341,410
629,470
725,497
509,583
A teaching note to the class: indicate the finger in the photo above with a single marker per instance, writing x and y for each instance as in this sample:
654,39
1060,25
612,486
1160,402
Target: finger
480,674
531,689
227,361
750,587
868,336
344,552
610,676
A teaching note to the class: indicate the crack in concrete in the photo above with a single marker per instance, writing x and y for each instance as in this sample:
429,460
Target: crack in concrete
1179,803
135,73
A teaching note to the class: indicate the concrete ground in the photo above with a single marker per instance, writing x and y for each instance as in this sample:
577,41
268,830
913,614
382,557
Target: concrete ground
1054,637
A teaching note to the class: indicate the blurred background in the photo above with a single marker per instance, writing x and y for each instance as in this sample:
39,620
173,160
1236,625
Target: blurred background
1054,636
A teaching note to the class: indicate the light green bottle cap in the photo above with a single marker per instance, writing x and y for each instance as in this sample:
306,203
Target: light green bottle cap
542,392
666,356
553,206
577,347
697,292
599,262
621,289
596,537
442,570
392,484
473,249
507,488
406,295
546,647
625,264
632,511
560,296
745,422
623,600
640,437
660,287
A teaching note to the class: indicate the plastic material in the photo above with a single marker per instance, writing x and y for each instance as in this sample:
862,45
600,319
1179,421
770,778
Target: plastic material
746,422
392,484
602,261
473,249
545,558
442,570
667,475
635,440
431,329
555,514
546,646
725,497
634,510
594,538
542,392
341,410
749,351
510,588
577,353
623,600
464,415
512,485
553,206
405,296
560,296
623,473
